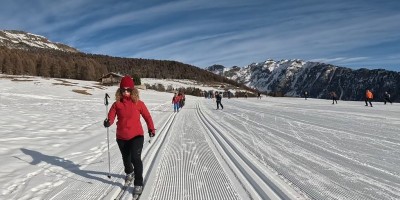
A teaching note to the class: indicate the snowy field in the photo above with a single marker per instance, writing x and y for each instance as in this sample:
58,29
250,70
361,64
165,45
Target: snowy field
53,146
183,83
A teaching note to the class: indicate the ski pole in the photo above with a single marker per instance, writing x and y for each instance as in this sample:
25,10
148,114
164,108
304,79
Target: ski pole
108,136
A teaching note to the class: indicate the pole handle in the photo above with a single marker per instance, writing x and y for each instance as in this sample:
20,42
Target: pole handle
106,99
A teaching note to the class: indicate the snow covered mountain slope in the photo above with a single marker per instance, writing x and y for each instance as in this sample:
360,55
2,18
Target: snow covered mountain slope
53,146
23,40
294,77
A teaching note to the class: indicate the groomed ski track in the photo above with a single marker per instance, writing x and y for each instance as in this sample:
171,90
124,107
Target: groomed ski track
197,160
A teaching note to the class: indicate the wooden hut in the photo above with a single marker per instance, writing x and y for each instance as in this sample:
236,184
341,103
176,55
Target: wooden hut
110,79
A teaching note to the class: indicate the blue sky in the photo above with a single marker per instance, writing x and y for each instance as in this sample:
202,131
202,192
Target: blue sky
350,33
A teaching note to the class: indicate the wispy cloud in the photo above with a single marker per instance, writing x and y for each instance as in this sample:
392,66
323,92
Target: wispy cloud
339,60
206,32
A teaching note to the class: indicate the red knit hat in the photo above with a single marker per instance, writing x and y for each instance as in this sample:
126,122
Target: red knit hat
127,82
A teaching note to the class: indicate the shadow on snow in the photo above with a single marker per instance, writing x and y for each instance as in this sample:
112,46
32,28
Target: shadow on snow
70,166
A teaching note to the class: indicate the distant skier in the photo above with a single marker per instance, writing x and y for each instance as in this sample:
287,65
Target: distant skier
176,100
386,98
182,101
128,108
305,95
218,99
334,97
368,97
258,95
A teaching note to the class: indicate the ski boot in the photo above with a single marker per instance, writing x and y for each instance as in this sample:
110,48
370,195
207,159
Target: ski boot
137,189
129,178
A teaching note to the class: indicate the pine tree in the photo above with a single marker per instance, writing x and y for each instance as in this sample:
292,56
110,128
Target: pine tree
137,80
29,66
7,65
43,68
55,69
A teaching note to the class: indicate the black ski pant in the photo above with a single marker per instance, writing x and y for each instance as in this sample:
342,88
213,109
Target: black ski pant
368,100
219,103
334,100
387,100
131,151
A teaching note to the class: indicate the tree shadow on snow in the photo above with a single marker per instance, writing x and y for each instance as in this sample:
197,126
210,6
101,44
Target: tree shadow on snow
70,166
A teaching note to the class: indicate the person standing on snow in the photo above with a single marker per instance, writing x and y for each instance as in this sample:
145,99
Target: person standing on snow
386,98
334,97
305,95
128,108
368,97
182,101
218,99
176,100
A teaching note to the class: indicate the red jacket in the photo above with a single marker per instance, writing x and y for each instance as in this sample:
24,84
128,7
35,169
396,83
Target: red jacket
128,113
176,99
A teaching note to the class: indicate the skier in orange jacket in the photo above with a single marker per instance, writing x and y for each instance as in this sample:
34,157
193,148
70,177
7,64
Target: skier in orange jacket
368,97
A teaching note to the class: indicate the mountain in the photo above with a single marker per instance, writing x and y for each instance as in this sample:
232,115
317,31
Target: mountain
223,71
22,40
294,77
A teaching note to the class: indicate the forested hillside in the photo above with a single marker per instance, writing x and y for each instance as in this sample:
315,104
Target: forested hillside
59,64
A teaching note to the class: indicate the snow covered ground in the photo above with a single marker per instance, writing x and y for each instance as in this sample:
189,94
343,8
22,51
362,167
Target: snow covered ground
183,83
53,146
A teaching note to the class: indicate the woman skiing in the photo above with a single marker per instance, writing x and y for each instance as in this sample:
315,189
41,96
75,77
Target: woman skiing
176,101
128,108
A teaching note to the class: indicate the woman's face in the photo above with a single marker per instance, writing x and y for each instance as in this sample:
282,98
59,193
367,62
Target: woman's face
126,92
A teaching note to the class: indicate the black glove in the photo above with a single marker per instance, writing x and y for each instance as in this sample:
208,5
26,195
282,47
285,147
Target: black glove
152,133
106,123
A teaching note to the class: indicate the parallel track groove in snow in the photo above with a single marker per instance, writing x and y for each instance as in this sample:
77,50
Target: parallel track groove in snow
149,154
312,193
335,156
307,153
261,183
189,168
